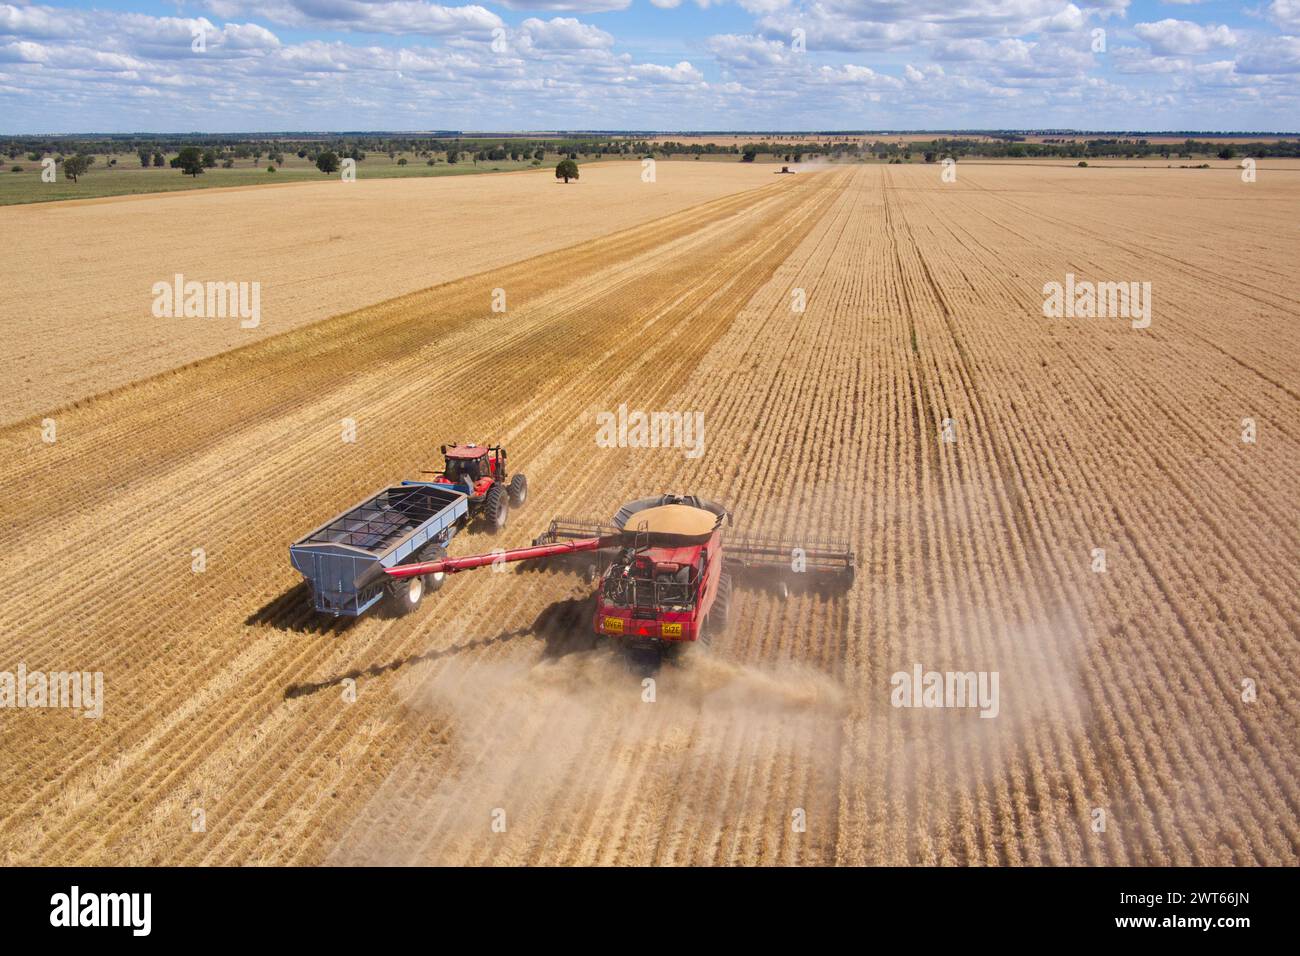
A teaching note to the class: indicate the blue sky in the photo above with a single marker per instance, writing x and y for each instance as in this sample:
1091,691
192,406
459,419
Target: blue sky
131,65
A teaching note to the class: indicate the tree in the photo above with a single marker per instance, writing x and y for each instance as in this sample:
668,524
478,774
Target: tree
566,169
145,156
453,156
189,161
1227,152
539,154
327,162
209,158
159,159
270,169
402,161
750,155
75,166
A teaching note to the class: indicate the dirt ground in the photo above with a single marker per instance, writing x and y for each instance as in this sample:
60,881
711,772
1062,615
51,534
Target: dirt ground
973,452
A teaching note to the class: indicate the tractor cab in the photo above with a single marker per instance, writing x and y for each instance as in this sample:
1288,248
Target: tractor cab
479,472
473,468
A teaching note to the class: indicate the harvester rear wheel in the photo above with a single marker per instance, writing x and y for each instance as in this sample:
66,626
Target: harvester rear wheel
518,491
497,508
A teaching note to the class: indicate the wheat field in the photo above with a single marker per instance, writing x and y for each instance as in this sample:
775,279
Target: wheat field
976,454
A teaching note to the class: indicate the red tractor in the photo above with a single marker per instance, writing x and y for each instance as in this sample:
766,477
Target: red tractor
479,472
668,578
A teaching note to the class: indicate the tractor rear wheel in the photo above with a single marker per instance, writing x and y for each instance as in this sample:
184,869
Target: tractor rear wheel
497,508
404,594
518,490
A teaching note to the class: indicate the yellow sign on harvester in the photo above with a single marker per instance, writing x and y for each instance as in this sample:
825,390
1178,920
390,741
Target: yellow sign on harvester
614,625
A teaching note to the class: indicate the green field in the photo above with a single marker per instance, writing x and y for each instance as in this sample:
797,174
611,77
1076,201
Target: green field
129,178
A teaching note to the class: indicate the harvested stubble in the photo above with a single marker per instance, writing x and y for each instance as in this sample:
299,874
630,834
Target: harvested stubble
1121,691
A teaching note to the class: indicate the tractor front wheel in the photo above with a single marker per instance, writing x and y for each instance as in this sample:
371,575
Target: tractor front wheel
518,490
497,508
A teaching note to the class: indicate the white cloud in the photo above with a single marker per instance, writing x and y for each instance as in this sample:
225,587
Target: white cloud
683,72
562,33
859,76
568,6
1070,18
1182,37
1273,56
1285,13
394,17
929,73
1138,60
748,51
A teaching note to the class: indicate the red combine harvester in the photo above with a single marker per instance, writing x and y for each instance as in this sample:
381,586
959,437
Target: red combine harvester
670,579
479,472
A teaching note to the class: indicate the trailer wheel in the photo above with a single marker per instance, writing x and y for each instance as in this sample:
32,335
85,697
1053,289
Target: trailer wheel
497,508
518,491
404,594
434,582
721,609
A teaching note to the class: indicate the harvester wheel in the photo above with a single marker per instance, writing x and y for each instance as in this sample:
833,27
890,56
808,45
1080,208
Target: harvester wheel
404,594
497,508
721,609
518,491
